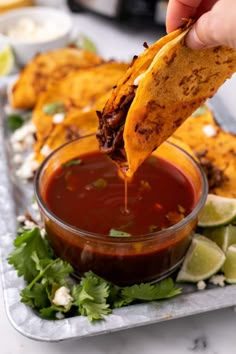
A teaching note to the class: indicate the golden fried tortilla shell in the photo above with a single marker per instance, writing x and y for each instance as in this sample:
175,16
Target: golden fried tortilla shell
177,82
79,91
139,65
46,69
216,152
112,118
74,127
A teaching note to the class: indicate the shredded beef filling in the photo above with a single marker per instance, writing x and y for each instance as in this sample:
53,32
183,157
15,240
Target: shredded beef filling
215,176
111,127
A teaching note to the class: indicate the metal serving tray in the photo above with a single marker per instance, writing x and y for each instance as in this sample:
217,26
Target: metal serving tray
15,198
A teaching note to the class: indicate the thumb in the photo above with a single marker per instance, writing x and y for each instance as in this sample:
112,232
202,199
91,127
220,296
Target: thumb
216,27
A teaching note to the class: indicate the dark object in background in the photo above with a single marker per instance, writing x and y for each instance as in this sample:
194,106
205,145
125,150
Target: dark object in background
131,11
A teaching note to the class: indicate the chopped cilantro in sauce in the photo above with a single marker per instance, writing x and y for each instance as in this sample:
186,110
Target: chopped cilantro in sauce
153,228
118,233
72,162
99,184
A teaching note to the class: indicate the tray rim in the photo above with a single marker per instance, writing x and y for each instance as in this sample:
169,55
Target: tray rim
29,324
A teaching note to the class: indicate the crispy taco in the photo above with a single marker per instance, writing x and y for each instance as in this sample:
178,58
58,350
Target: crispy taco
45,69
165,84
78,92
75,125
214,148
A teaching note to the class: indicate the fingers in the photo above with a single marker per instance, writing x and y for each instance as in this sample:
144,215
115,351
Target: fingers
216,27
178,10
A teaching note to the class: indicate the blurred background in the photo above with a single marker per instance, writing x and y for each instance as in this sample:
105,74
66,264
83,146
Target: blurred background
115,29
133,11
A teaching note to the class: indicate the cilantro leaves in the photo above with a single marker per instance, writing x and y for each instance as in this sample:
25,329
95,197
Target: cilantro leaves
52,108
21,258
118,233
93,296
72,162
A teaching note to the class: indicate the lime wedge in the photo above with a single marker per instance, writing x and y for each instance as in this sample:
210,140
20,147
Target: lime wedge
224,236
6,61
203,259
217,211
229,267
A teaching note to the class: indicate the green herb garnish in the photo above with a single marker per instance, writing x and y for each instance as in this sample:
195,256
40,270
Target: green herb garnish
15,121
200,111
52,108
153,228
118,233
72,162
93,296
26,243
100,183
85,43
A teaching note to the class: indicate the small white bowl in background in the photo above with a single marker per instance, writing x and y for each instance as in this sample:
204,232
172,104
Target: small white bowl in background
56,24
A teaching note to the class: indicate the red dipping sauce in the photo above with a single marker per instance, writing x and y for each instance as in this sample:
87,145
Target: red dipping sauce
81,199
89,194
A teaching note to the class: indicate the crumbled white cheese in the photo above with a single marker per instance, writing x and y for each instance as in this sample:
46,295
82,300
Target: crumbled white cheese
21,134
209,130
17,159
35,206
8,108
43,233
45,151
20,218
138,79
59,315
201,285
29,140
23,138
28,168
17,147
37,216
62,297
218,280
58,118
29,225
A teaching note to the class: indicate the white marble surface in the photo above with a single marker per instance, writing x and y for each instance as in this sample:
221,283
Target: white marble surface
209,333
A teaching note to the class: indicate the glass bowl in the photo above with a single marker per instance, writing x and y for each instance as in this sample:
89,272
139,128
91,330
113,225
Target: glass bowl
121,260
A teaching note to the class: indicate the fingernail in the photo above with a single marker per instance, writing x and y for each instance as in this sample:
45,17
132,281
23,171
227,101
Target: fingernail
193,41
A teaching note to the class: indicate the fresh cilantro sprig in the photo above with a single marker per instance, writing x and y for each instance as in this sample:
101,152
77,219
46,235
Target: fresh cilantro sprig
93,296
28,242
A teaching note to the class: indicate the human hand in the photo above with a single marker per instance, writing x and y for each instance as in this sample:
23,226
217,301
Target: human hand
215,21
